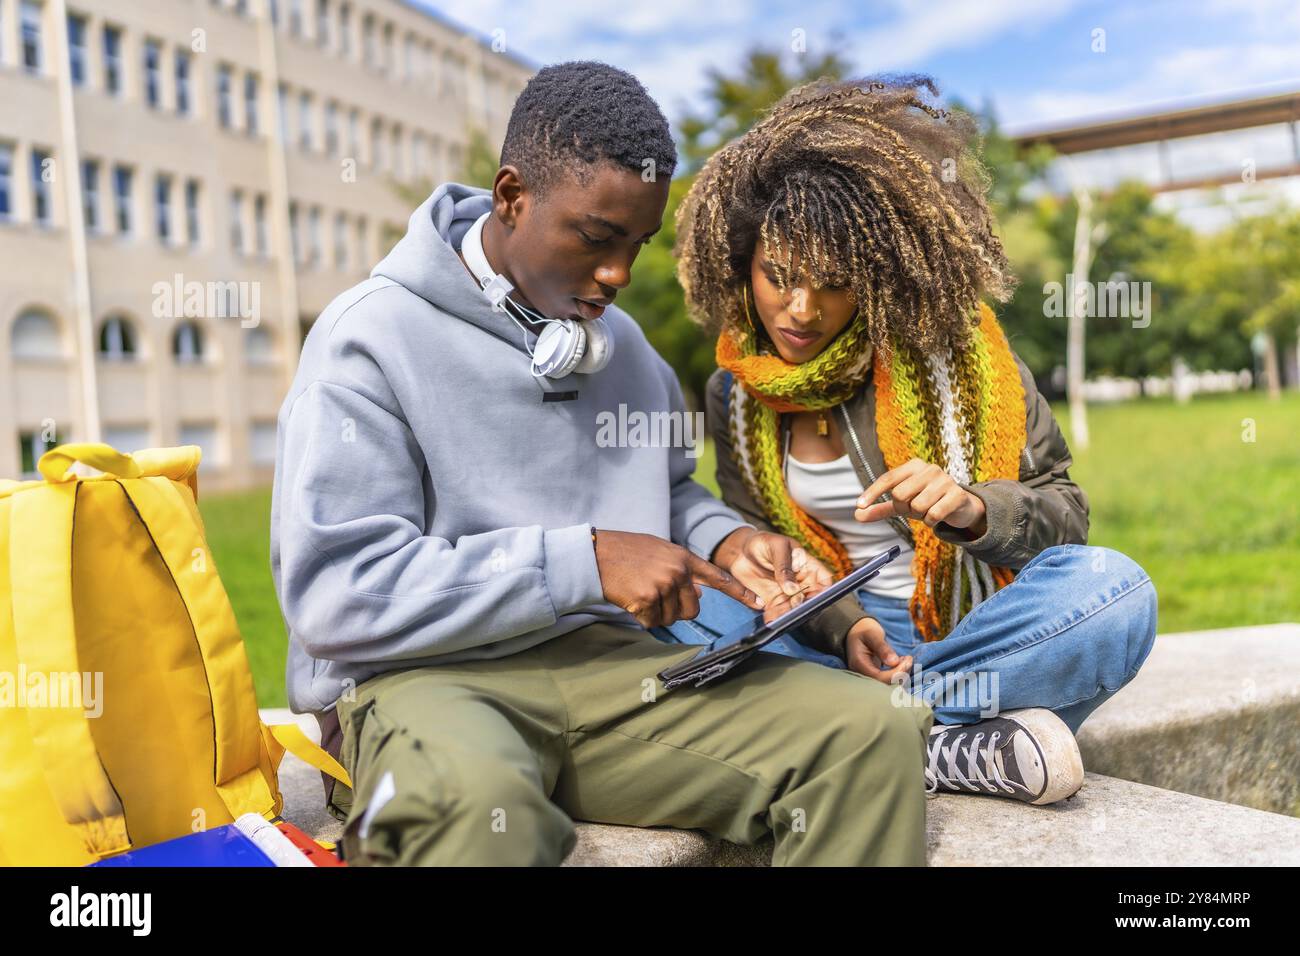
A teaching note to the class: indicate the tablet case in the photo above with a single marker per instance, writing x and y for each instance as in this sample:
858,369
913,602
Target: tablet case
730,650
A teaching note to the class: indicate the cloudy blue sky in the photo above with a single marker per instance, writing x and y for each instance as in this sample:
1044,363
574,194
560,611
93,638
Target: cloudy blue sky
1033,59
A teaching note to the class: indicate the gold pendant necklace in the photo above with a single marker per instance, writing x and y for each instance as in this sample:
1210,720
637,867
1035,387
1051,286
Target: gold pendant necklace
823,426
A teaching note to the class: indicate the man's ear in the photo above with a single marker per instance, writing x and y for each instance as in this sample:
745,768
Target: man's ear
508,195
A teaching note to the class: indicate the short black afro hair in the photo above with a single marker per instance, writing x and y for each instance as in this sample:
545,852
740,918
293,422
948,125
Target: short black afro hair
589,112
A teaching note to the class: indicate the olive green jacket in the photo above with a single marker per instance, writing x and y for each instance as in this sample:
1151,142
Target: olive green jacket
1043,508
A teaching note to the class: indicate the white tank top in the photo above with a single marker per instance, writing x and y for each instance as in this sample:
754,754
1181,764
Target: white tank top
829,492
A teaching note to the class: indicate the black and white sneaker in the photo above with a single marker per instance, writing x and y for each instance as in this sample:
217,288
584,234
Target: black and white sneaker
1027,755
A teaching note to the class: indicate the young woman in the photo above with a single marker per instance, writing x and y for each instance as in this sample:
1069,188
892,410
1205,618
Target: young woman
867,397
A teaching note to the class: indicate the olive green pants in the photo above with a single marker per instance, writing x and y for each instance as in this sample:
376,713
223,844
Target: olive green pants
489,762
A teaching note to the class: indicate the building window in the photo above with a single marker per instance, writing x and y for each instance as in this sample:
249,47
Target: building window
390,56
30,16
322,23
205,436
250,104
345,29
409,56
31,446
295,17
122,199
304,121
332,128
259,346
377,143
294,238
341,242
396,155
448,74
187,346
6,182
117,340
275,12
162,205
313,237
182,83
113,60
435,158
127,438
77,49
368,40
35,336
417,155
41,163
223,97
261,442
237,221
282,111
90,194
259,225
192,211
152,59
354,134
363,252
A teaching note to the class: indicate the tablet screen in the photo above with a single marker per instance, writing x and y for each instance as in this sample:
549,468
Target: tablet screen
824,599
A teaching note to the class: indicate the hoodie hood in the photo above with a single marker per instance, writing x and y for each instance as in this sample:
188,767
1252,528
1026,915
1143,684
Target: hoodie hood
425,260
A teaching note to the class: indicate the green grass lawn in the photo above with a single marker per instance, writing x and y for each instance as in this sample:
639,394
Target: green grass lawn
1215,520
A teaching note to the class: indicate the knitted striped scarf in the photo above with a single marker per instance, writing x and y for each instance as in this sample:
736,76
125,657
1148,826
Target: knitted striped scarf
964,411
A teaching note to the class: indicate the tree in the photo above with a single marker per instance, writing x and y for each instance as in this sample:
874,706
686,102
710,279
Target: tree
735,103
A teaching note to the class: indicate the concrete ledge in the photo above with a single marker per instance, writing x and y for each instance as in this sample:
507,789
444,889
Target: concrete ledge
1108,822
1212,713
1184,764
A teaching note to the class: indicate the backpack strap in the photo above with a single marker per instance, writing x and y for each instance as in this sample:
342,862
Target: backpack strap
40,542
173,522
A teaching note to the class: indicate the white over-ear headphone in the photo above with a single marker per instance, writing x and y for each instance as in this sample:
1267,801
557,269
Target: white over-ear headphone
564,346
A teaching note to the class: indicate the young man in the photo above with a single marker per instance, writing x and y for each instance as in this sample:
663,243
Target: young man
477,654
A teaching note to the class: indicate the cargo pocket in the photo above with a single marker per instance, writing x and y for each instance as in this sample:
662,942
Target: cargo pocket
402,790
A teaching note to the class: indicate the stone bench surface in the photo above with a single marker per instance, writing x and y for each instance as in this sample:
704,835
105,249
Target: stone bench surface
1177,714
1214,713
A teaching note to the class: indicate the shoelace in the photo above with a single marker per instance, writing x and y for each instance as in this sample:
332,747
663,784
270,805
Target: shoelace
934,775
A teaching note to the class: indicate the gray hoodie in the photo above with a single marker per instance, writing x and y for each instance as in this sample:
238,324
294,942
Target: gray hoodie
429,507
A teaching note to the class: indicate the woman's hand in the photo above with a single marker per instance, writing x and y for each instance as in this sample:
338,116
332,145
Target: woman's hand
775,567
867,652
923,492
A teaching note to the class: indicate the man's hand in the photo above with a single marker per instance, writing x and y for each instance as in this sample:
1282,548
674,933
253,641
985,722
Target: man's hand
773,565
923,492
656,581
867,652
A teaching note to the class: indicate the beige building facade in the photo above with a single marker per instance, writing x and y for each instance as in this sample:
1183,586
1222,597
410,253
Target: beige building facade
185,185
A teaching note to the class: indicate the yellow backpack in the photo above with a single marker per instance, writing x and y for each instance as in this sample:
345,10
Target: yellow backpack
127,712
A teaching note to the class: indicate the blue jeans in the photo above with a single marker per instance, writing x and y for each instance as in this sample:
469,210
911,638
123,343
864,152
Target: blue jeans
1071,629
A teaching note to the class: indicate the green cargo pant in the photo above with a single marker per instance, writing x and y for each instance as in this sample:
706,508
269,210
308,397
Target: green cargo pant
485,763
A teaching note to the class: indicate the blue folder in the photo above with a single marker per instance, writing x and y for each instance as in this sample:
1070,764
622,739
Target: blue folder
222,846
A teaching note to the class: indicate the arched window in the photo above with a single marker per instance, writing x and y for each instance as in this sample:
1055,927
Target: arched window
187,343
259,346
35,336
117,341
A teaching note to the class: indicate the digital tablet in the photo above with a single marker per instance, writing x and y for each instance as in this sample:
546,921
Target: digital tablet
712,663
